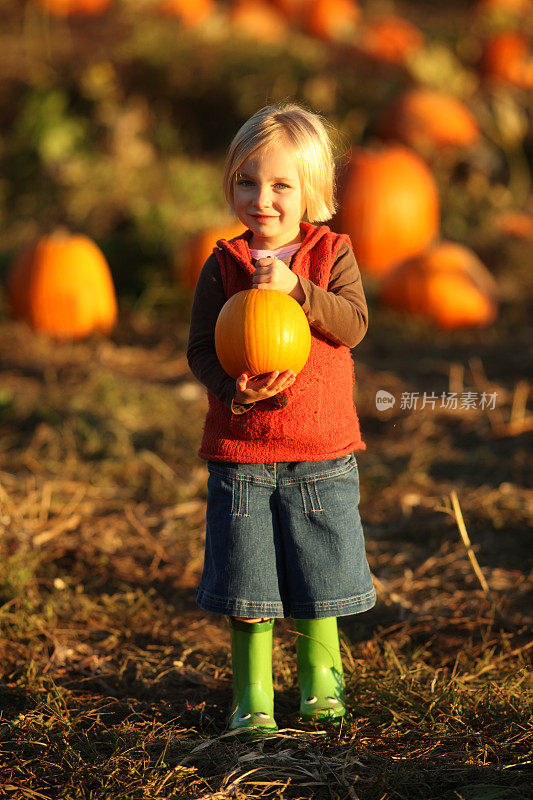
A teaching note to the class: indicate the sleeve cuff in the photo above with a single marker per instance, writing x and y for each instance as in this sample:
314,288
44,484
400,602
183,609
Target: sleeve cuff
306,288
241,408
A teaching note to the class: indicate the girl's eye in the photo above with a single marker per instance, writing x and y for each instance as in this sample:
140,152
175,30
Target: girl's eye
244,182
282,186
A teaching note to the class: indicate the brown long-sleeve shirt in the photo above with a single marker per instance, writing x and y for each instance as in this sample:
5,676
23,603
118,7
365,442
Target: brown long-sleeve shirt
340,313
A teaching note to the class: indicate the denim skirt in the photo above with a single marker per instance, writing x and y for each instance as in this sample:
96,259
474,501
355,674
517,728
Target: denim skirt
285,540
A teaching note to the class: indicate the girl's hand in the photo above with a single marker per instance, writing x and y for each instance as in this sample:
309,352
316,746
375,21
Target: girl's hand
250,390
272,273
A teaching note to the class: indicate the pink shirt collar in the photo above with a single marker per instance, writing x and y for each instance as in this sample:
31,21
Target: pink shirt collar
280,252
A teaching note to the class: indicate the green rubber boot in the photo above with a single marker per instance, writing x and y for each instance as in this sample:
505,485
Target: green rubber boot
252,709
320,674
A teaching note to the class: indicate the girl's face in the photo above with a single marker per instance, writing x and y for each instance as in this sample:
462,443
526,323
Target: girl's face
268,198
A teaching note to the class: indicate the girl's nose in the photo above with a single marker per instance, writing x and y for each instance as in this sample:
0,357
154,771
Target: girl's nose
263,197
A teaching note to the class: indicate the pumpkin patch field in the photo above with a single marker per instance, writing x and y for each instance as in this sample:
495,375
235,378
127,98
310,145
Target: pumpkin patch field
115,117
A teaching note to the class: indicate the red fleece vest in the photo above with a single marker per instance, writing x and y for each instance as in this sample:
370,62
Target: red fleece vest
319,421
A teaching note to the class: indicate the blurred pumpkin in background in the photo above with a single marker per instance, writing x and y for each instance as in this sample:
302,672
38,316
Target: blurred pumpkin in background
518,224
391,39
505,7
66,8
62,286
429,119
199,247
258,19
294,10
389,207
332,19
447,284
508,57
189,12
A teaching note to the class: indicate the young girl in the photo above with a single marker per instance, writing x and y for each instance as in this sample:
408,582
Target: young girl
284,536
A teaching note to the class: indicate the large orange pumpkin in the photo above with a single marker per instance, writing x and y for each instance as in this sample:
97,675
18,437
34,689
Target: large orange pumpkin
428,119
62,286
448,284
390,206
65,8
508,57
200,246
391,39
332,19
261,330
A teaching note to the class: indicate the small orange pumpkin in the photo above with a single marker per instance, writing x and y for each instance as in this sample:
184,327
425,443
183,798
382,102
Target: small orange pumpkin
390,206
332,19
261,330
62,286
448,284
425,118
66,8
391,39
200,246
507,56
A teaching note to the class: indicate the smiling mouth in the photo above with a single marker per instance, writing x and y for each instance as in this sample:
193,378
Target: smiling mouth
261,217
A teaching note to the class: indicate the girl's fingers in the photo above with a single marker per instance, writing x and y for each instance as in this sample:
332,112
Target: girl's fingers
287,374
262,278
266,270
257,384
271,379
272,383
283,381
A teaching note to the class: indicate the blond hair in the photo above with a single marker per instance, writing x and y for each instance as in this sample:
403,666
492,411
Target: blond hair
306,133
